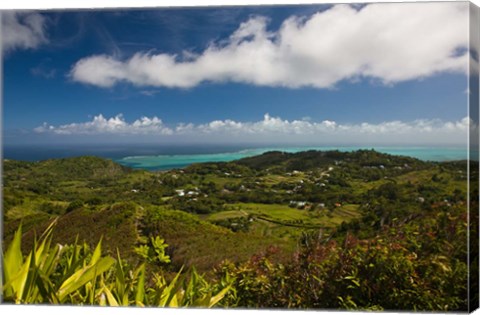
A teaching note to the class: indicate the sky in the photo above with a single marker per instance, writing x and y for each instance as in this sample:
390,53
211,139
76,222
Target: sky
386,74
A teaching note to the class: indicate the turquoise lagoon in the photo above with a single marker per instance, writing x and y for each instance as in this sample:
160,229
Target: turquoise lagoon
166,162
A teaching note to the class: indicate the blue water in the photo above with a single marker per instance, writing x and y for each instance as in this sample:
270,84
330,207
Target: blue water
165,162
157,157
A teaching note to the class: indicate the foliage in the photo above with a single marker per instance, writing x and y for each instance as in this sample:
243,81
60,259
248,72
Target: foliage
73,274
397,270
154,252
200,244
340,230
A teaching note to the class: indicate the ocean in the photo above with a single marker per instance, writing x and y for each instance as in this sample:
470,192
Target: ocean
158,157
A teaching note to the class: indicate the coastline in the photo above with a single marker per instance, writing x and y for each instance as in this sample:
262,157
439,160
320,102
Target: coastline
157,157
166,162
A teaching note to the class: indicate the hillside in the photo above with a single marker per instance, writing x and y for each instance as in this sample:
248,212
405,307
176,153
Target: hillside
83,167
309,160
276,207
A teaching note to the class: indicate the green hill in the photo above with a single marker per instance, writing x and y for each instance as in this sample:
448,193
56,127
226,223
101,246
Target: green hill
308,160
232,211
194,242
84,167
115,224
122,226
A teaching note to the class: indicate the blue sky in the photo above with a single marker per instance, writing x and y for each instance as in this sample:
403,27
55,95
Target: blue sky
247,74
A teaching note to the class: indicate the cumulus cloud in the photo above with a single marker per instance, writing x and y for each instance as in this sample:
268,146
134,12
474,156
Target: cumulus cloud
113,125
275,129
22,30
386,42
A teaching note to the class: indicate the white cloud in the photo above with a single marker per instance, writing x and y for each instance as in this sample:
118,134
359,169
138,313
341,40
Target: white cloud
275,129
387,42
22,30
114,125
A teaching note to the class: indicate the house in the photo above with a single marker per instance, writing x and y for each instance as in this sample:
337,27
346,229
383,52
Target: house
301,203
298,204
180,192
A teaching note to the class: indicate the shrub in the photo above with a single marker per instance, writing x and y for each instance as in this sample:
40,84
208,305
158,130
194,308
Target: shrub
399,269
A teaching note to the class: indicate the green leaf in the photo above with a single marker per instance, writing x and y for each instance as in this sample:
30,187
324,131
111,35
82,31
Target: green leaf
84,275
13,259
173,302
46,289
170,290
140,295
96,253
120,283
202,301
50,260
142,251
214,300
110,298
18,280
30,291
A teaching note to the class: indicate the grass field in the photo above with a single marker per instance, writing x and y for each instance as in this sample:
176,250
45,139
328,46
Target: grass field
275,216
273,179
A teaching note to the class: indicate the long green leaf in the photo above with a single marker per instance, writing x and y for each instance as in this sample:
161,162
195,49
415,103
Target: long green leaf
46,239
214,300
30,290
46,289
48,231
97,253
169,292
84,275
50,260
110,298
17,282
120,283
140,295
202,301
13,259
174,301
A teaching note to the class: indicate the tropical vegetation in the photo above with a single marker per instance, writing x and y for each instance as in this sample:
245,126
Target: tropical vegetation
308,230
